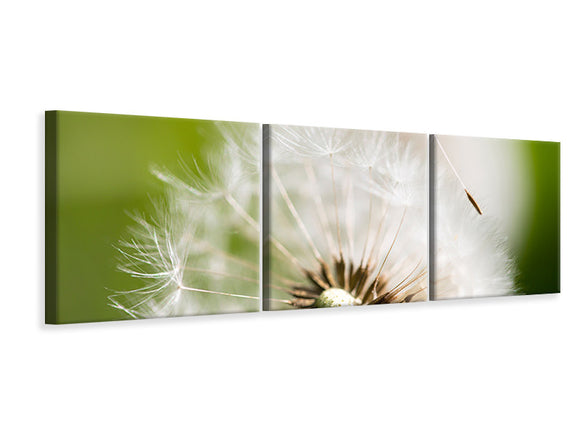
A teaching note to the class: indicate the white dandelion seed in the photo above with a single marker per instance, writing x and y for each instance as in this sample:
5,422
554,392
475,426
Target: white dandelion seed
308,142
471,257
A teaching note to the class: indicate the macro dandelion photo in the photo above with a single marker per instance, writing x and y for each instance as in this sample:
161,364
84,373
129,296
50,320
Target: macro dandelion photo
495,218
150,217
347,217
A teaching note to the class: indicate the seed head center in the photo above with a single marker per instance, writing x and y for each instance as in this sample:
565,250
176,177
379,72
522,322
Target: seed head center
336,297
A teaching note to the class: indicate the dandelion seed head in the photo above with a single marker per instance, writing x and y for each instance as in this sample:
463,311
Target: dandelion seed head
345,234
336,297
348,227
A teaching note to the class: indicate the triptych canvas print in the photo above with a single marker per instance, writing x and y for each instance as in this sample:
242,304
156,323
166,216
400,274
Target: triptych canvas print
159,217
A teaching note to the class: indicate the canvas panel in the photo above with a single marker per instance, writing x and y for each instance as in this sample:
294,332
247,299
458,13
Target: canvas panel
347,217
495,218
150,217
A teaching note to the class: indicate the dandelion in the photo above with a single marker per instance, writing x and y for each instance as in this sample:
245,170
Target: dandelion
197,252
470,255
348,217
348,225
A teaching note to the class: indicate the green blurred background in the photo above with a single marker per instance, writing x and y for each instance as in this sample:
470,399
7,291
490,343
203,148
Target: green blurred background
538,262
103,171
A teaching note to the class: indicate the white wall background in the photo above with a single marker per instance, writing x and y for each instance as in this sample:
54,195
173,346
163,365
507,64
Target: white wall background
500,69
